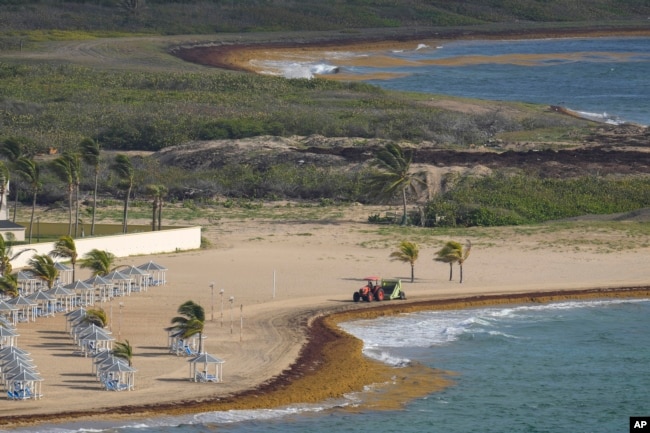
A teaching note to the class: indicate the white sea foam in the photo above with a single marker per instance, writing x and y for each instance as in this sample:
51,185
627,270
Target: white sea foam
306,70
384,336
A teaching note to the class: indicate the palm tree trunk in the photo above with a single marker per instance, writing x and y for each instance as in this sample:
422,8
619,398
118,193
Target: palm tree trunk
76,219
451,271
153,217
31,219
412,272
160,205
15,204
92,224
461,274
70,210
404,206
126,211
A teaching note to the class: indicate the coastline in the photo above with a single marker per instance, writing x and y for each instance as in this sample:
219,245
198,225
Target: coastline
240,56
330,352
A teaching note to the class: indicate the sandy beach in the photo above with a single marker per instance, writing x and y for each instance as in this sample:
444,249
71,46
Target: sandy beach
287,278
291,281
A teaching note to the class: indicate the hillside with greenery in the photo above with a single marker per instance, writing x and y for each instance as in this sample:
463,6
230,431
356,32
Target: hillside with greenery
166,17
127,93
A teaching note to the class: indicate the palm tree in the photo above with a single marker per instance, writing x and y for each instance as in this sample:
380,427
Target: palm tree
7,255
123,351
190,322
163,192
408,252
43,267
124,169
4,183
96,316
9,285
65,247
154,192
98,261
90,153
64,168
75,163
394,175
447,254
30,170
454,252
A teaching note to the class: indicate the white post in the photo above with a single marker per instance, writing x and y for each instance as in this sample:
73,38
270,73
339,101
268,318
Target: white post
212,302
232,301
221,293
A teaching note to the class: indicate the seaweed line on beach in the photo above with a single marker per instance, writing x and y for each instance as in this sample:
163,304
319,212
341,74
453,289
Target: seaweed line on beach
331,363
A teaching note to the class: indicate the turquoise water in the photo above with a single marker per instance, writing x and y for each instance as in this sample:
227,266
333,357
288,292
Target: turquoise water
604,77
578,366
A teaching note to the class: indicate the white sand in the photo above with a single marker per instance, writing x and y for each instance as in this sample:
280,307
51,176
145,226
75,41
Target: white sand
318,265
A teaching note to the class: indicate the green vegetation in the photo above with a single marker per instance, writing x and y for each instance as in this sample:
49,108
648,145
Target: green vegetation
81,112
56,19
59,106
503,199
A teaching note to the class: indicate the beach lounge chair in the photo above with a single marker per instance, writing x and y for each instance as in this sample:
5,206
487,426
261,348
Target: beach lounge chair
190,352
211,377
11,395
202,376
114,385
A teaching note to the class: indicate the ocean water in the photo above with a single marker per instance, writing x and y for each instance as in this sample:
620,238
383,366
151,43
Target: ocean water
581,366
606,79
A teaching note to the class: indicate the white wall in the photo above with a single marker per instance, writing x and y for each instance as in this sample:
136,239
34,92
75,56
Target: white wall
164,241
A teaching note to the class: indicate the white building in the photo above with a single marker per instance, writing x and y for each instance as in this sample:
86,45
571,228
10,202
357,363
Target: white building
9,229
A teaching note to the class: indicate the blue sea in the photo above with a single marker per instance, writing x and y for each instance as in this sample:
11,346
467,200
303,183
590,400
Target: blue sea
606,79
579,366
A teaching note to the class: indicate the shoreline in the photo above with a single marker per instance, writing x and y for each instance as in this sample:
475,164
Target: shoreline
308,379
237,56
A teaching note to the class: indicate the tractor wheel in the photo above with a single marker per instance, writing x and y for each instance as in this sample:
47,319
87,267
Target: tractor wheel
356,297
369,298
402,295
380,295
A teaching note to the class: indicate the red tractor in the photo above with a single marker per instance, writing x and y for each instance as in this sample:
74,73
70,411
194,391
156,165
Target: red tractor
371,291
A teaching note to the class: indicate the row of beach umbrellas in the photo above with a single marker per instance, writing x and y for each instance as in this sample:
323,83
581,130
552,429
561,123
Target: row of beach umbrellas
18,374
95,342
30,305
142,276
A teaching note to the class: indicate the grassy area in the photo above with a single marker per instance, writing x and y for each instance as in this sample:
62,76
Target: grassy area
210,16
131,94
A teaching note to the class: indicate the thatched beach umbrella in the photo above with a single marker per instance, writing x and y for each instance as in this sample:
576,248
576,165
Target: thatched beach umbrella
203,375
124,375
8,337
157,272
9,312
85,291
65,272
64,298
103,286
27,281
26,307
121,281
45,302
139,277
